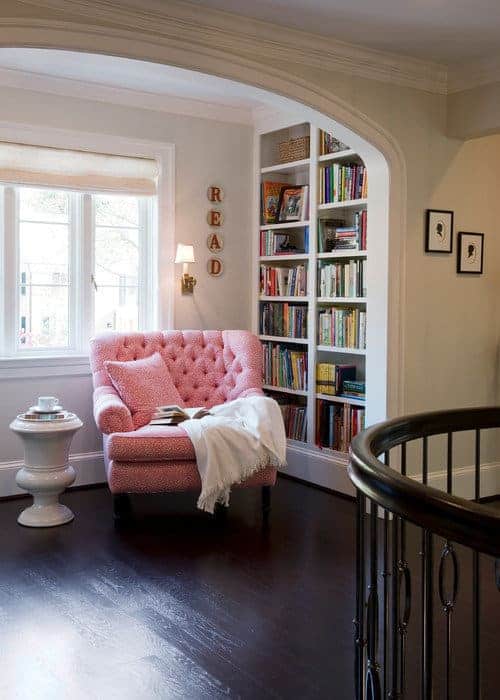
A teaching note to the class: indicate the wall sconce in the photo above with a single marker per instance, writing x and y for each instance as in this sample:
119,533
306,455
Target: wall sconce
185,255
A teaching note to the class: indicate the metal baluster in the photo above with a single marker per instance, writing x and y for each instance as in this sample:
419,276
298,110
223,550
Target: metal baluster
476,609
373,691
359,622
427,608
402,629
385,574
395,608
448,603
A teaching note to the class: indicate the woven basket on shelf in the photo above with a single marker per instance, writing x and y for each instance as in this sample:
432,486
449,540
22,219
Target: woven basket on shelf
294,149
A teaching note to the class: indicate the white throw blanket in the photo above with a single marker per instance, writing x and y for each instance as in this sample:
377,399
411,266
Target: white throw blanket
238,439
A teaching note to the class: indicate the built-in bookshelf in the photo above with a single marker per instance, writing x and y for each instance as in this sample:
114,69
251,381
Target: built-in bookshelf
312,293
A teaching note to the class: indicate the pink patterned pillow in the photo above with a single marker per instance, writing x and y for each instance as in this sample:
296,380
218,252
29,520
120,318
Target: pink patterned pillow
143,385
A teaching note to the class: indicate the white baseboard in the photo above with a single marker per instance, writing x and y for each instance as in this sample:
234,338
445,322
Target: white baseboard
464,480
318,467
321,468
89,467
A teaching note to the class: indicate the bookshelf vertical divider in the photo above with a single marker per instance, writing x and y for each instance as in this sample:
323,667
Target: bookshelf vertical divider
312,284
322,466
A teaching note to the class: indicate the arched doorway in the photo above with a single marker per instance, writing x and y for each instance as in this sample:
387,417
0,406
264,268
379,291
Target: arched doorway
380,152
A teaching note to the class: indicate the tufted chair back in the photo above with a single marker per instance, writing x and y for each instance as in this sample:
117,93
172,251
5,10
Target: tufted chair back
208,367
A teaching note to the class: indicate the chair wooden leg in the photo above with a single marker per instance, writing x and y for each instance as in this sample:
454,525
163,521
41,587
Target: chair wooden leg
122,509
220,513
266,504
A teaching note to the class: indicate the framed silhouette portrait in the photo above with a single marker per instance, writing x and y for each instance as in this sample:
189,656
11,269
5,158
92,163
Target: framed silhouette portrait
439,231
470,253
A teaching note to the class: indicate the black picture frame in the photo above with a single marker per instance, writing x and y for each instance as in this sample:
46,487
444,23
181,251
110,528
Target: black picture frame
432,246
474,267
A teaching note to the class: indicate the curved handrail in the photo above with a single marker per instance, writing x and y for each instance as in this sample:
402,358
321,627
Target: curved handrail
468,523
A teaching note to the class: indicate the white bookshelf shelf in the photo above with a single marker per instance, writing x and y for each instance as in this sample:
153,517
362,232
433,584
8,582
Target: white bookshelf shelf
286,167
283,339
344,351
339,155
341,300
348,204
342,254
301,300
287,225
284,390
341,399
284,258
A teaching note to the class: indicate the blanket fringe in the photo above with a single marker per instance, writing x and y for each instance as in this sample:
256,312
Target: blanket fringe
221,491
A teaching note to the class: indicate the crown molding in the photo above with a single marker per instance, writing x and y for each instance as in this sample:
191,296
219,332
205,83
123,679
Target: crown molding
99,92
473,74
211,29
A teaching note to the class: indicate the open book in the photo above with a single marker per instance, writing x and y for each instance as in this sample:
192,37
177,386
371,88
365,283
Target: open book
173,415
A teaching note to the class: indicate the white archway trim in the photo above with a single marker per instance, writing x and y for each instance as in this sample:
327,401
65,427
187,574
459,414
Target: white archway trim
183,52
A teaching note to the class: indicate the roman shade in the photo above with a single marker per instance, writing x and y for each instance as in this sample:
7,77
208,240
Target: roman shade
24,164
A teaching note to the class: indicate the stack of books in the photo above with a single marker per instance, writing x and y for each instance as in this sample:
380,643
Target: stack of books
283,319
353,389
335,234
283,367
343,279
331,378
342,327
338,424
283,281
342,182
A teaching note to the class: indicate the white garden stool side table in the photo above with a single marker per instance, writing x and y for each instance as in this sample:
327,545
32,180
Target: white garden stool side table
46,472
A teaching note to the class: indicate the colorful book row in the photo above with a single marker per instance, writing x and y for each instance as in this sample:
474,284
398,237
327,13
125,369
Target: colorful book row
336,424
283,281
283,319
295,420
343,279
342,182
283,367
342,327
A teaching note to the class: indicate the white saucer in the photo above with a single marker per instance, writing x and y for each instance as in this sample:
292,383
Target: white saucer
54,409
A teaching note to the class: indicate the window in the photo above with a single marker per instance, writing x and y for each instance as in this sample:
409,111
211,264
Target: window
75,264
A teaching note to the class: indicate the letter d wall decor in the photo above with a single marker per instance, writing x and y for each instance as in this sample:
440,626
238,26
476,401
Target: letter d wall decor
215,267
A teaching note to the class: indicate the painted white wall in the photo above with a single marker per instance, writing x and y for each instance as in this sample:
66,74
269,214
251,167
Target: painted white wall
206,152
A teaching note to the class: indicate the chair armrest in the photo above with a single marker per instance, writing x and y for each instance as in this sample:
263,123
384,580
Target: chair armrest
110,413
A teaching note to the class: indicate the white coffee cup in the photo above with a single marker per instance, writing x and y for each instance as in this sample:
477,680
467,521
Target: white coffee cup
47,403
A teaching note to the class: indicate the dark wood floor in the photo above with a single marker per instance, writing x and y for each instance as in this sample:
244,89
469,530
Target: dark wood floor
180,607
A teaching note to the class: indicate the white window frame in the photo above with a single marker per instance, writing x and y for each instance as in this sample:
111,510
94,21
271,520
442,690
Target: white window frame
160,256
81,295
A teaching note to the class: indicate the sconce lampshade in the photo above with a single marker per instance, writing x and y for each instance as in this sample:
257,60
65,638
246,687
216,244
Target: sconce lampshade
185,253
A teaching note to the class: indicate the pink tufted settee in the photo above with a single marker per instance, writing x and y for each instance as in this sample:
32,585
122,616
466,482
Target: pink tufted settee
208,368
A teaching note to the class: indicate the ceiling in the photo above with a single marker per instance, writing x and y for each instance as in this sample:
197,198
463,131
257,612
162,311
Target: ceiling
111,71
445,31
